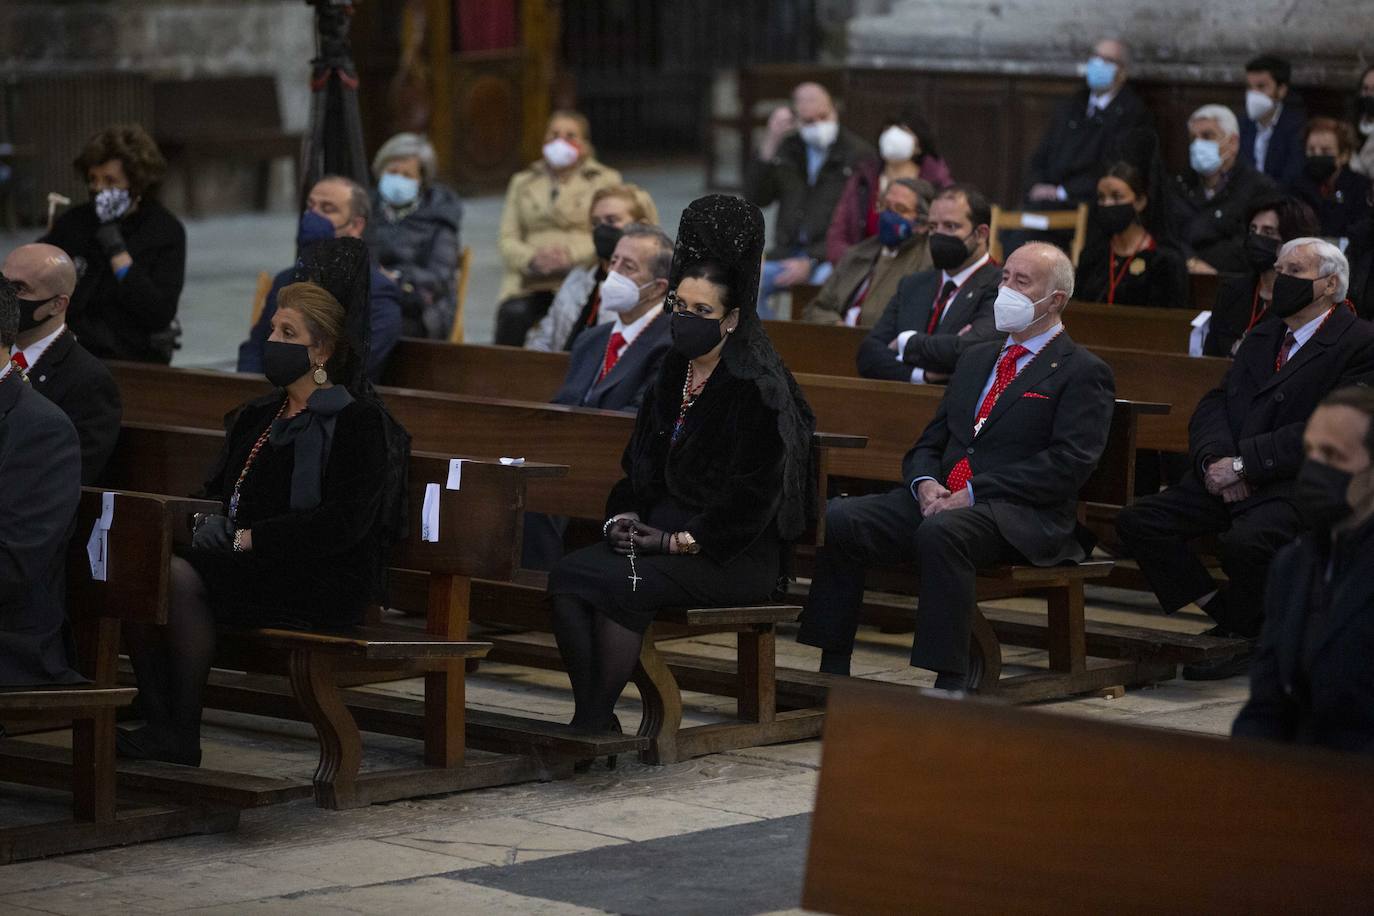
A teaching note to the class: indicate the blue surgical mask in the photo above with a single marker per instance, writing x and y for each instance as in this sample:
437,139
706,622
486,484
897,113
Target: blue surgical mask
313,228
893,230
1205,156
1099,73
398,190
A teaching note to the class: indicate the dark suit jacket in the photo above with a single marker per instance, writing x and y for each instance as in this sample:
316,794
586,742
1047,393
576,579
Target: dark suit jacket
80,384
1036,449
40,467
623,387
909,310
1260,415
1319,693
1074,147
1342,213
1214,230
804,209
1231,314
1284,159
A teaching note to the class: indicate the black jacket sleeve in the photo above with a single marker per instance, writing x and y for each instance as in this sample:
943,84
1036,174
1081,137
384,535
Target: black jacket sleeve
940,352
150,290
1270,713
97,415
874,359
1209,431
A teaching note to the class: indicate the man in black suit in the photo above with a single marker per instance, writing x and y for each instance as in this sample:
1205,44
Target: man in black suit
1086,129
993,479
57,365
937,314
1245,446
1212,199
803,163
1271,133
612,364
1311,681
40,486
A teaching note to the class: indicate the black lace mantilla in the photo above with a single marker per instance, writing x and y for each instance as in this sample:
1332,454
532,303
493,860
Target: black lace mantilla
730,231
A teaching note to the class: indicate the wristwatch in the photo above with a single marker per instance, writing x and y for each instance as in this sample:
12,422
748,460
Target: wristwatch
1238,465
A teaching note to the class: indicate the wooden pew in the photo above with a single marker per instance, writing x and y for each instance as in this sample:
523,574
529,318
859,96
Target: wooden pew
929,805
142,529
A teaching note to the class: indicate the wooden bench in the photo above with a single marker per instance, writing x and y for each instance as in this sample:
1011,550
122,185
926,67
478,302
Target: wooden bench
135,590
216,117
936,806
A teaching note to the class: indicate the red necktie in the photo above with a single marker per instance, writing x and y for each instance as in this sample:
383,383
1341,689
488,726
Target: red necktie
1006,372
613,348
938,312
1290,341
17,357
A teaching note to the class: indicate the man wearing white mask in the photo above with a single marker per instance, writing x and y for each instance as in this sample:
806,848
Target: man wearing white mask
993,479
1085,129
803,163
1271,133
1211,201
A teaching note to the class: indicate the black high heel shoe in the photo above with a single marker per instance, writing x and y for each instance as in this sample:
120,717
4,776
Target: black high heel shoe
149,743
585,764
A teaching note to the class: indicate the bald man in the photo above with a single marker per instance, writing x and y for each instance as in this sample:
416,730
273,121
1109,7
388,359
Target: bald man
993,479
57,365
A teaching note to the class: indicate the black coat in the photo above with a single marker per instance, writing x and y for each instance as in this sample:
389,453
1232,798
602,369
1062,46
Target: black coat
804,210
910,310
1160,282
1214,230
1036,449
1232,312
1346,208
76,381
114,318
1074,147
423,246
1260,414
40,488
624,386
1311,681
1287,150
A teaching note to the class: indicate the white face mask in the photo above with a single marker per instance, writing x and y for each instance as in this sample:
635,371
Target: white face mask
559,153
1014,311
1367,126
819,134
619,293
896,145
1257,104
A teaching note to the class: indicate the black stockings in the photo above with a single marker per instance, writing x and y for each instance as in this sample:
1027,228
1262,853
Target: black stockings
600,656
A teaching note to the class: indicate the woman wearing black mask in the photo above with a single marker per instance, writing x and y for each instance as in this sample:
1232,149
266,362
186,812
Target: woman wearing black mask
718,471
1243,300
306,492
1128,258
1339,196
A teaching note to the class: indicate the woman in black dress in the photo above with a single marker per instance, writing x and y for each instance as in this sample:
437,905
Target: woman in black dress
717,473
1128,258
303,481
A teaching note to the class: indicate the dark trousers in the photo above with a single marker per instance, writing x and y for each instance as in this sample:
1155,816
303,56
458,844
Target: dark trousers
887,529
542,546
516,315
1156,531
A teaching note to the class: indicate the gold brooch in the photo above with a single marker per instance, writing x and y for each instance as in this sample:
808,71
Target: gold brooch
1137,267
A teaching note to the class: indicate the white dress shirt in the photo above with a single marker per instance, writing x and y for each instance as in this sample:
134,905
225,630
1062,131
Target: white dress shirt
1305,333
918,376
635,328
1263,135
34,351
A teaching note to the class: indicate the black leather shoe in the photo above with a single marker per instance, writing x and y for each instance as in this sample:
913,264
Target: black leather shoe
951,683
1219,669
149,743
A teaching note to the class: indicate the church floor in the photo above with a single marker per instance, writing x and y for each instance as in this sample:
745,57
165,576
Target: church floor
721,834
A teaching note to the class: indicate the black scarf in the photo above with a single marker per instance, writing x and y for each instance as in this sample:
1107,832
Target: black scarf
312,430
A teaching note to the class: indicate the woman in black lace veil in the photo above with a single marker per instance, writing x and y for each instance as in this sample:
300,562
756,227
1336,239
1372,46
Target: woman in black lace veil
303,482
717,473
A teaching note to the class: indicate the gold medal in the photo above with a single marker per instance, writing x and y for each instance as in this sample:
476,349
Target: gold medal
1137,267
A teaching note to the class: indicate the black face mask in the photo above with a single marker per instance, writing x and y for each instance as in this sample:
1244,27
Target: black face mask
1291,295
1114,218
604,237
1261,251
694,336
1322,495
283,363
947,251
1366,105
26,309
1319,168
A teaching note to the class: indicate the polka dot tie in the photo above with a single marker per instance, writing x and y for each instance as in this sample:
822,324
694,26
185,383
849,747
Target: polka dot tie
960,474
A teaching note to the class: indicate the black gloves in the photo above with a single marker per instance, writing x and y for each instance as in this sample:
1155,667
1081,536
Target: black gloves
110,239
215,532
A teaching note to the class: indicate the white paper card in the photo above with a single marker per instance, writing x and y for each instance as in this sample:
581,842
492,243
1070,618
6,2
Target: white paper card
97,551
515,461
106,511
1035,221
455,473
1202,322
429,523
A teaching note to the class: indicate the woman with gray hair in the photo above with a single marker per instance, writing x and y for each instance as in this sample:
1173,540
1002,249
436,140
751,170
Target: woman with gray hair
414,235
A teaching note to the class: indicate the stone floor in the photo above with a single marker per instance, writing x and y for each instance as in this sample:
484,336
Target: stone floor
720,834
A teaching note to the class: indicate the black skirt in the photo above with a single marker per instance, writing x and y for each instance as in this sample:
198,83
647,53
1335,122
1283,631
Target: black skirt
601,577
